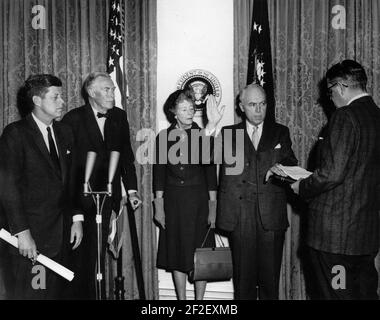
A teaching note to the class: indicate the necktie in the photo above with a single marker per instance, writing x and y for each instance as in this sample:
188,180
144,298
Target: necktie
102,115
255,137
53,151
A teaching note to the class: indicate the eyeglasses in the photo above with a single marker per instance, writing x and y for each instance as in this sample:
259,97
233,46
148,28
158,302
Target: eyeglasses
261,104
329,91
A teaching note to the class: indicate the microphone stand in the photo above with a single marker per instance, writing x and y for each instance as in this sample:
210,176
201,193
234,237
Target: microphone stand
91,157
98,218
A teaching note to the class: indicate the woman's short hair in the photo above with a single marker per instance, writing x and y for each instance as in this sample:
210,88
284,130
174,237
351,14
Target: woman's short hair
173,100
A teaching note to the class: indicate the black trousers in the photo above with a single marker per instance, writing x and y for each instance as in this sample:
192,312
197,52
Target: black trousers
257,255
342,277
34,282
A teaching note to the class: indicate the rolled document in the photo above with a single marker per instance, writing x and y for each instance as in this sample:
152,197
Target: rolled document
47,262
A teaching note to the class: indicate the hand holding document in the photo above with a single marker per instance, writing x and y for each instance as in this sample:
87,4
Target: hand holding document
293,173
47,262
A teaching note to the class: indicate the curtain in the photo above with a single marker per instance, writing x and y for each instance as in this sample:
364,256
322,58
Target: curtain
74,44
140,67
304,45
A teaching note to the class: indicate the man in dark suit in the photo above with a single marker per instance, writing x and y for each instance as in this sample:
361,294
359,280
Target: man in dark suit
99,126
344,191
36,161
250,205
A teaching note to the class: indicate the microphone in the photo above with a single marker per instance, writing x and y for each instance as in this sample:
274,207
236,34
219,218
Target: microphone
114,159
90,162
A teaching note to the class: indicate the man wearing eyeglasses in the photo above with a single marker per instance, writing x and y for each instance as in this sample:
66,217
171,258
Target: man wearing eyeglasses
344,191
251,206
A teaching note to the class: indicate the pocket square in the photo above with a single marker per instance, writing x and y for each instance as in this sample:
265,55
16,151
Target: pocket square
320,138
278,146
68,151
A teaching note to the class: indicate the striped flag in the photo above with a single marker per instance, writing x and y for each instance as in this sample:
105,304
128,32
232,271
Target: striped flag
115,70
115,51
260,57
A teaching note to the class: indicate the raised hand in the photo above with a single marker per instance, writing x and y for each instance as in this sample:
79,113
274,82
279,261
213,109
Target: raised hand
214,112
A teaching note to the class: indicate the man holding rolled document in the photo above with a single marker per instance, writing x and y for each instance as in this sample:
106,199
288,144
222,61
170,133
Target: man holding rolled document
36,166
101,128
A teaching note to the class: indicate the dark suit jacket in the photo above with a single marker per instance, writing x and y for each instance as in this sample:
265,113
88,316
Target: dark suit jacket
181,174
88,137
35,196
246,190
345,187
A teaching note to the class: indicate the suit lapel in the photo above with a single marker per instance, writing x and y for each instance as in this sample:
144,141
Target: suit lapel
248,146
59,138
39,141
110,130
92,128
266,136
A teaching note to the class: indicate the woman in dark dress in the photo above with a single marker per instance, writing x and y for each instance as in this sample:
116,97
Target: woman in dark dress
185,203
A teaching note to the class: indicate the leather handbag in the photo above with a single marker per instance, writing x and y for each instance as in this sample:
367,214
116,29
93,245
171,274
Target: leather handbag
212,264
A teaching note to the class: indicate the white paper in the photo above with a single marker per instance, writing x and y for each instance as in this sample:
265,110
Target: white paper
47,262
295,172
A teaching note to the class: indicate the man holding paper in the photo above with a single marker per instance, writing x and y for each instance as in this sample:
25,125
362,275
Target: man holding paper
344,191
36,164
250,205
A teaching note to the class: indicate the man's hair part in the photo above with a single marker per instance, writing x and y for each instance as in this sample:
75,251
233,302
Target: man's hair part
350,71
38,85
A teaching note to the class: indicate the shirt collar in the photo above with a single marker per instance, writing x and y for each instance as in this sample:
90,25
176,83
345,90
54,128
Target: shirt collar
95,112
361,95
42,126
250,126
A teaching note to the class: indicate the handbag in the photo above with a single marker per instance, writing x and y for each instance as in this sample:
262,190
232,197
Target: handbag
212,264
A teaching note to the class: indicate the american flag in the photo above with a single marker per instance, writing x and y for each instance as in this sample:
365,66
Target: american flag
115,70
115,51
260,57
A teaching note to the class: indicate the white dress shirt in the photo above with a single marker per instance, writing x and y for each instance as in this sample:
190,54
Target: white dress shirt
43,128
101,122
250,129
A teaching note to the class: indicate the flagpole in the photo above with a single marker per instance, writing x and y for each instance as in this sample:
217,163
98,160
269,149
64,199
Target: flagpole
136,251
119,280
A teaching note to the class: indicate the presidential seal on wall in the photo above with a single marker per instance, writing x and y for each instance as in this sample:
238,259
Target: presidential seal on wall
200,83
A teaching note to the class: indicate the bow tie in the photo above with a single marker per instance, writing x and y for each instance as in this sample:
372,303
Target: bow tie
102,115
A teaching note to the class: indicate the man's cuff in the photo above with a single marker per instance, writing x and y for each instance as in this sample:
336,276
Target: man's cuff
131,191
17,234
78,217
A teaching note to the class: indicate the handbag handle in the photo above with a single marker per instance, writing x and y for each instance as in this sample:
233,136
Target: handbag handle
217,236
